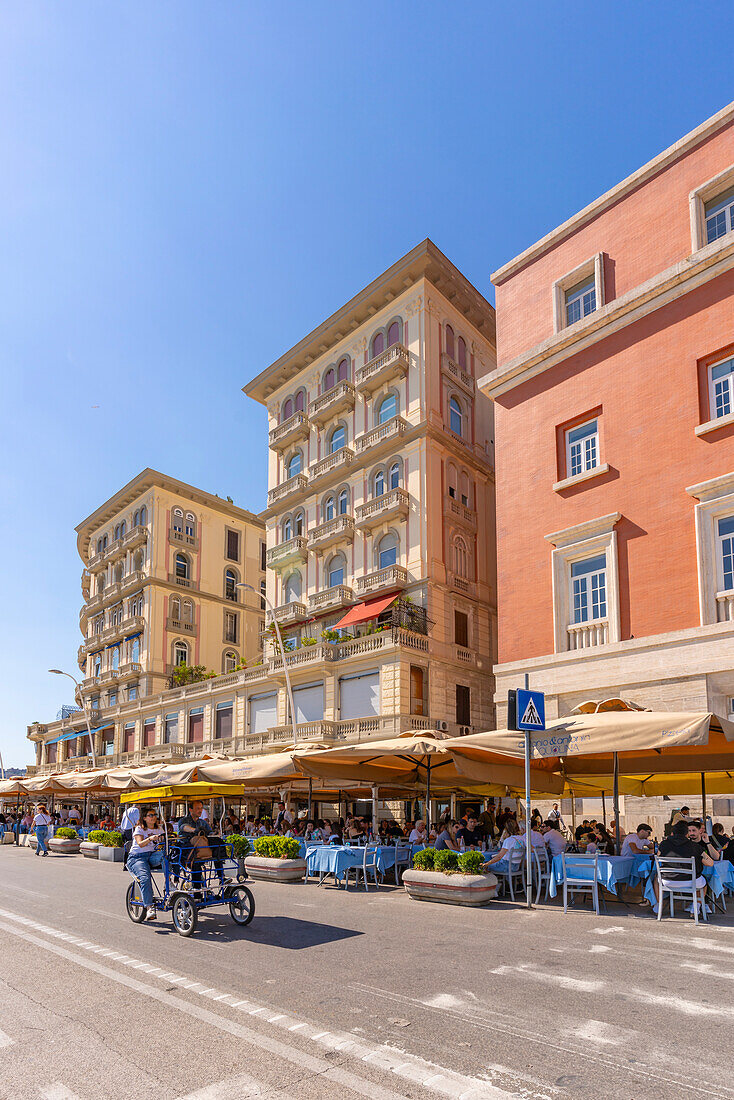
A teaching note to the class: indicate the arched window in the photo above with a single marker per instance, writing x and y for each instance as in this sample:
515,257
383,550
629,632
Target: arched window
378,344
300,401
388,408
343,502
175,608
180,653
452,479
99,546
456,417
137,561
298,523
182,567
115,656
329,508
136,517
230,584
335,571
393,334
230,661
461,352
287,412
104,542
450,341
287,529
118,572
394,475
378,483
292,589
135,650
178,518
116,533
337,439
294,464
97,664
461,559
143,516
123,529
187,612
387,550
466,490
329,379
344,369
190,524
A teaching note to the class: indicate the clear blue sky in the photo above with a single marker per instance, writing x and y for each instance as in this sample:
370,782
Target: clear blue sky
188,188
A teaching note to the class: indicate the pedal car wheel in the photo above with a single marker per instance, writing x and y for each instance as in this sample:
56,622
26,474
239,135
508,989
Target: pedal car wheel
134,903
184,916
241,905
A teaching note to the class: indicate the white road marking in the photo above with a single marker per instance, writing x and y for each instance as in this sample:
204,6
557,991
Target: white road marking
407,1066
596,1031
443,1000
606,931
5,1040
242,1087
581,985
688,1008
598,948
57,1091
708,969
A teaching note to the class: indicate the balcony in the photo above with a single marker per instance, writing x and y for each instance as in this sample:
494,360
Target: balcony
338,399
329,533
587,635
383,437
306,731
93,604
457,375
179,626
183,582
331,598
97,562
390,365
136,536
388,506
182,539
460,584
724,607
394,576
129,670
109,676
288,613
455,511
292,430
304,655
86,582
334,463
293,487
285,553
132,580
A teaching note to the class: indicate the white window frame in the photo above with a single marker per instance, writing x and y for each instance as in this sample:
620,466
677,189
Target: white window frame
585,540
715,501
698,199
591,269
730,389
588,589
593,438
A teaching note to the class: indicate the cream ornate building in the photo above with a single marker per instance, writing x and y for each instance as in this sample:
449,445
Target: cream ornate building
380,536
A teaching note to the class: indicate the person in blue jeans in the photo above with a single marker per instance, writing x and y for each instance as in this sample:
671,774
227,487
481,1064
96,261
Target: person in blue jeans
41,824
143,857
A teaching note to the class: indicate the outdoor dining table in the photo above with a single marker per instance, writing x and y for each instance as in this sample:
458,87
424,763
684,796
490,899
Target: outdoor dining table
336,859
610,871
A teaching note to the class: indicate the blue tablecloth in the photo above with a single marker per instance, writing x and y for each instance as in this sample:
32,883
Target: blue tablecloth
609,871
334,859
719,876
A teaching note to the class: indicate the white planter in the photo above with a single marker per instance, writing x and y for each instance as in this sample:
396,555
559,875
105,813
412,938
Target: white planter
89,849
450,889
24,840
9,837
110,855
275,870
32,840
64,847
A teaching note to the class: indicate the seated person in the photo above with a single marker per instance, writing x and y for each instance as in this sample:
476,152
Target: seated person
143,857
446,839
638,843
582,829
554,839
356,829
193,825
471,834
679,846
419,834
512,842
698,835
718,836
329,834
537,838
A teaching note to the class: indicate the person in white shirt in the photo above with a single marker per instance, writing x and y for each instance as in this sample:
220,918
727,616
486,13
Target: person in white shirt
130,819
536,837
284,817
204,814
140,857
512,842
74,816
555,815
554,840
63,815
639,842
41,825
418,834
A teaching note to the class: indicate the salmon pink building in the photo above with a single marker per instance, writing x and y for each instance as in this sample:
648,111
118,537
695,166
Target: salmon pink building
614,403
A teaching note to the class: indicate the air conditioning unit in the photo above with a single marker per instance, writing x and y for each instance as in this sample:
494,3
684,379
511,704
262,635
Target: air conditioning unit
442,726
464,731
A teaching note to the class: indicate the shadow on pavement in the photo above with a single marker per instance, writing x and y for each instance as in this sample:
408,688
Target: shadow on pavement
286,932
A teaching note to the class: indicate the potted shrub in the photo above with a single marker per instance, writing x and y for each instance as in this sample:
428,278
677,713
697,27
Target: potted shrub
454,878
276,859
90,847
238,847
65,841
111,847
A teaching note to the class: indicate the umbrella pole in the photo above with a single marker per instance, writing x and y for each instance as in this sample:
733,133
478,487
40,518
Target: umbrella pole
604,808
16,829
310,793
703,798
375,822
428,796
616,803
573,812
84,815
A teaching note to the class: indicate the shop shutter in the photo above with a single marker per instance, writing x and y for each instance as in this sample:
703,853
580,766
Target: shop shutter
309,702
359,696
263,712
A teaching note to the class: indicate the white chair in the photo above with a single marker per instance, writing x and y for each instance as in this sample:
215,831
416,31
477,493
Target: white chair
403,859
515,871
369,865
574,882
542,870
683,887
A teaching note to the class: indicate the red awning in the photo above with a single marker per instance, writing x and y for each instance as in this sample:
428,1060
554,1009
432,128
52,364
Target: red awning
369,609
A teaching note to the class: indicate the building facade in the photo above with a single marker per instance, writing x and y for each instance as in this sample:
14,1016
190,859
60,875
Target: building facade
380,506
614,403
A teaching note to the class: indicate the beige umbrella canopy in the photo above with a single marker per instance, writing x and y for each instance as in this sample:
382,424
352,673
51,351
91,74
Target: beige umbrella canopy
10,787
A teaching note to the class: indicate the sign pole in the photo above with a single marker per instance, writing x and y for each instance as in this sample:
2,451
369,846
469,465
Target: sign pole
528,841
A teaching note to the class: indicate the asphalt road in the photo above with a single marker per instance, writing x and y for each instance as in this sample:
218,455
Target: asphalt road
334,994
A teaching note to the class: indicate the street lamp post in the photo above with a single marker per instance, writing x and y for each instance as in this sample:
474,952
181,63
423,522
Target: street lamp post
58,672
294,724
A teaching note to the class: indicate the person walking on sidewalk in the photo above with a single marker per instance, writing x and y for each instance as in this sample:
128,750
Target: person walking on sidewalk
41,824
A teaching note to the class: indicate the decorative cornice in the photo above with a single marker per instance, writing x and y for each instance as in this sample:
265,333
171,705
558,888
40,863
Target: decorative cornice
590,529
711,490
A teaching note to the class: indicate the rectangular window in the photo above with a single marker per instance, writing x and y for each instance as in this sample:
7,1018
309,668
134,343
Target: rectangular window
223,726
725,529
461,628
112,699
232,547
196,725
132,691
463,705
719,215
418,690
721,385
263,556
128,737
582,448
108,745
149,733
580,300
230,627
170,729
589,589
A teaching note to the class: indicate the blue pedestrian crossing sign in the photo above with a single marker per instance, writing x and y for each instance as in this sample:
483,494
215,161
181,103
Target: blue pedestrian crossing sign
530,709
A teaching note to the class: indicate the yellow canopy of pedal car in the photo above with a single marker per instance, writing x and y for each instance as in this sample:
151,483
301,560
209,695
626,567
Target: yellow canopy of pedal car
183,792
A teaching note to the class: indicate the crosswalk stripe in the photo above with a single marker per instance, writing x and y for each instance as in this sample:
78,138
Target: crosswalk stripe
5,1040
57,1091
